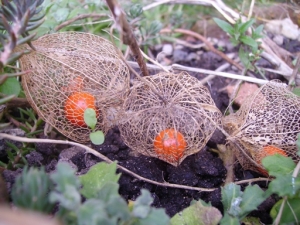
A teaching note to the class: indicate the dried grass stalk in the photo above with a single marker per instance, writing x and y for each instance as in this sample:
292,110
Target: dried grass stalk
65,63
168,101
269,117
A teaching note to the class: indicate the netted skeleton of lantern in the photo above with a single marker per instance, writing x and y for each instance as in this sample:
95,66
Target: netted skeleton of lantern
74,63
175,108
269,117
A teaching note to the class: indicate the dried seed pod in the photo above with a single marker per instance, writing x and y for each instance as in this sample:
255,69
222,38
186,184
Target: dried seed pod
68,63
269,117
169,116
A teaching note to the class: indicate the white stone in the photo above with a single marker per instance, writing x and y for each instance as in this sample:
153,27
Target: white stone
168,49
285,27
278,39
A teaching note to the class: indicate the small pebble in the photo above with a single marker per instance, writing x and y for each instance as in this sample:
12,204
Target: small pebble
278,39
34,158
245,90
192,56
179,56
168,49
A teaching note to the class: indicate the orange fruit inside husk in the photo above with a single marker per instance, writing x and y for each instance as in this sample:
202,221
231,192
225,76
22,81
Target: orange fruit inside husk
170,145
75,106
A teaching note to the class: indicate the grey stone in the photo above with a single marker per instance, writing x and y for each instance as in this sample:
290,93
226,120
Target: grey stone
51,166
278,39
192,56
179,56
69,162
34,158
68,153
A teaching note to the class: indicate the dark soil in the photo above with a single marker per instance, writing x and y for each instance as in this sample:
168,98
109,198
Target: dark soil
203,169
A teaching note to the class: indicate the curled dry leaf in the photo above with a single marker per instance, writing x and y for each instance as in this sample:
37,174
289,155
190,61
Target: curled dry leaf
70,62
269,117
170,117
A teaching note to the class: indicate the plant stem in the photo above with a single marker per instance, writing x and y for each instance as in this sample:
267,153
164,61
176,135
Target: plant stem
127,35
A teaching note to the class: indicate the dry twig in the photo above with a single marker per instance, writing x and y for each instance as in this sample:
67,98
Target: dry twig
104,158
127,35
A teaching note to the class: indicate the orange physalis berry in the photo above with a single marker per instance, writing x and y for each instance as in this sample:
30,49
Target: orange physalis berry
268,151
75,106
170,145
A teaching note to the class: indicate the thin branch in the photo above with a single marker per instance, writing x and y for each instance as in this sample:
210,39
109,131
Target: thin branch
296,170
104,158
279,215
253,180
155,62
127,35
251,9
222,74
204,71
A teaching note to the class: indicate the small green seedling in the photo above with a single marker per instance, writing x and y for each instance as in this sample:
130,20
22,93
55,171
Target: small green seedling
249,50
97,137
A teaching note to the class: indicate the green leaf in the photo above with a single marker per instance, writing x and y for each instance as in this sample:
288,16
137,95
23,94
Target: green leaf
31,189
97,137
298,144
197,214
257,33
64,176
61,14
229,220
291,211
277,165
112,206
108,190
244,57
66,191
69,199
234,41
11,86
249,41
90,117
296,91
251,221
93,212
244,26
135,10
232,198
285,185
154,28
118,208
224,26
142,204
97,177
253,196
6,99
157,217
4,125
